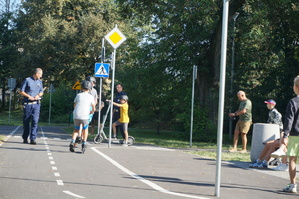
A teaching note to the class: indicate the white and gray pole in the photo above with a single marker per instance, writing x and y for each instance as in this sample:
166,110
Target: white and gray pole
221,95
112,94
192,102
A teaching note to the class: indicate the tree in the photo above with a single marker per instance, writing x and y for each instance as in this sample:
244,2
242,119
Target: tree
8,52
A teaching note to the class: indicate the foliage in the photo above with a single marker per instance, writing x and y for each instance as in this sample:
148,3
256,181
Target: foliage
62,104
8,53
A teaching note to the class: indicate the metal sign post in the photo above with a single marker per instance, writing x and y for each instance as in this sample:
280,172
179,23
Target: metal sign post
112,94
98,74
50,103
192,102
221,95
115,38
11,86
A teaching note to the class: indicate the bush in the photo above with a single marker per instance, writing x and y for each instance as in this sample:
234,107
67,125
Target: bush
203,129
62,104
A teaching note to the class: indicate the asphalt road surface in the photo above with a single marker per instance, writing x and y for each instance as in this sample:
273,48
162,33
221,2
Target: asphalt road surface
49,170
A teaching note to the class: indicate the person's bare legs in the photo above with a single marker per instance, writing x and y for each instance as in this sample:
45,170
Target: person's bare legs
265,150
75,134
236,138
292,169
244,141
126,136
114,129
272,147
84,134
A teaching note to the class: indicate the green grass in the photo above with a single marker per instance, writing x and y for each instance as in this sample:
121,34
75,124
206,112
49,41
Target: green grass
169,139
14,119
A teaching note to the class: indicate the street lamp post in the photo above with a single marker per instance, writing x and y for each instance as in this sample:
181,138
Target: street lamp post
232,74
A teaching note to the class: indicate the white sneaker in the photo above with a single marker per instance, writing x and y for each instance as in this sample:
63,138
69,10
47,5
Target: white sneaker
291,188
281,167
278,153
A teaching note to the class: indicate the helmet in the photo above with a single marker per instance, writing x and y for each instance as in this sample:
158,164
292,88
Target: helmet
86,85
91,79
124,97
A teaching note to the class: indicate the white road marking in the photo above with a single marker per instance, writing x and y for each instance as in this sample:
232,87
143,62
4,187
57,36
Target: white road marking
56,174
54,168
50,158
11,134
153,148
149,183
52,162
59,182
72,194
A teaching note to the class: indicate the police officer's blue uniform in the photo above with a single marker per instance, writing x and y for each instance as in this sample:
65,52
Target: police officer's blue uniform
32,87
116,113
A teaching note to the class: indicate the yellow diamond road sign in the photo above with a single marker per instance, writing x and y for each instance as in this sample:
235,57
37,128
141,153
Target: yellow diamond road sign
115,37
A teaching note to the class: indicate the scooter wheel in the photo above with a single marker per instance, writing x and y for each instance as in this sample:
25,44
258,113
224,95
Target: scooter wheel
131,140
97,139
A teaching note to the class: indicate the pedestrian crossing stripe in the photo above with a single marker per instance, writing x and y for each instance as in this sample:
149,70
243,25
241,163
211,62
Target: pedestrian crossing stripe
101,70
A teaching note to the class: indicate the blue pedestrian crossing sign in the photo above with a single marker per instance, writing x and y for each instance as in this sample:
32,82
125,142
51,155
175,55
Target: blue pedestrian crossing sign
101,70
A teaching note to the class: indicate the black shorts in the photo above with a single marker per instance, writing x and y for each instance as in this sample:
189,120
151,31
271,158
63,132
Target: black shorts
95,118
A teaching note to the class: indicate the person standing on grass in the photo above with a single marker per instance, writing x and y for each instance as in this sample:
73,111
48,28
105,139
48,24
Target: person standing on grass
244,122
32,90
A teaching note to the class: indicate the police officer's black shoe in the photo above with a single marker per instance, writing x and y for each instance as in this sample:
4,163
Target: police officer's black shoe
32,142
25,141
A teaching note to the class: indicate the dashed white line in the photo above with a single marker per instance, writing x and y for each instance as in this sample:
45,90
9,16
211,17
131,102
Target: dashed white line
149,183
56,174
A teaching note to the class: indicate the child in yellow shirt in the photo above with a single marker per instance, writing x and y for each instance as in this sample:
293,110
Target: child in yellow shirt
124,117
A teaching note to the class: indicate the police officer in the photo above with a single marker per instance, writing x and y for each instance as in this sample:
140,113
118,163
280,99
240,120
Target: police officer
116,110
32,90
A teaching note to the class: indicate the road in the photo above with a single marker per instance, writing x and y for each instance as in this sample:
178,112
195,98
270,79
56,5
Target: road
48,170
